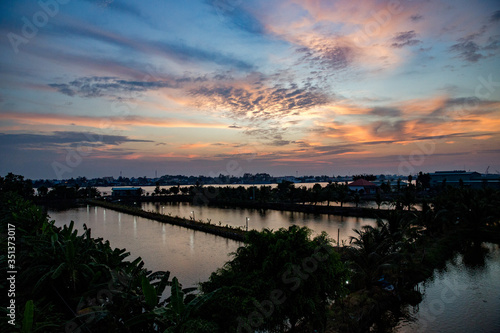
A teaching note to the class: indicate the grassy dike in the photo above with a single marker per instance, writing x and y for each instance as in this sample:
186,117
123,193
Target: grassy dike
223,231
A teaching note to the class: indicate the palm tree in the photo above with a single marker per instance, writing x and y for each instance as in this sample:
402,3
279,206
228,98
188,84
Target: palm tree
356,198
378,199
342,194
368,255
316,193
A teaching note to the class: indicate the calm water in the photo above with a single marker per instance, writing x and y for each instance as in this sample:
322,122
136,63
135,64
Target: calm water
190,255
464,297
259,219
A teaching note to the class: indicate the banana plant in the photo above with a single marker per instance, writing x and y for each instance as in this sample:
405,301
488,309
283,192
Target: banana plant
181,307
175,312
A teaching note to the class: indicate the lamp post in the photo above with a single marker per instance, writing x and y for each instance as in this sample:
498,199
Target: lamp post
192,212
247,219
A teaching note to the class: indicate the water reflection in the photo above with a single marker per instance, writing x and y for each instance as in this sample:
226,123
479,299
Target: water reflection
462,297
190,255
474,254
262,218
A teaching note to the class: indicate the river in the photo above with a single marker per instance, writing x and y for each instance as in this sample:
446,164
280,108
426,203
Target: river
462,297
259,219
189,255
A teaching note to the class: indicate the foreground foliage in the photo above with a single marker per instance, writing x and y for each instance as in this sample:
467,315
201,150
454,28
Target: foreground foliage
76,283
277,281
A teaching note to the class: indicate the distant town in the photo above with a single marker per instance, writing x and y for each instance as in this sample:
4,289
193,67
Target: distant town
453,178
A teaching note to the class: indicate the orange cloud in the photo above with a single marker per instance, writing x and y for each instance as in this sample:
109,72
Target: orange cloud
364,30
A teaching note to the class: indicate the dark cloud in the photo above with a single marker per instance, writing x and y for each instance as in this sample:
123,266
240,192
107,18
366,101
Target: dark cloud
332,57
279,143
452,135
235,14
99,86
493,44
470,49
270,135
490,151
302,144
495,17
405,38
260,101
463,102
388,128
416,17
457,107
119,6
385,112
467,49
63,139
332,150
105,86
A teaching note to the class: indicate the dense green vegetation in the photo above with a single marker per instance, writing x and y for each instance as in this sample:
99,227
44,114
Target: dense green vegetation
76,282
400,196
278,281
406,247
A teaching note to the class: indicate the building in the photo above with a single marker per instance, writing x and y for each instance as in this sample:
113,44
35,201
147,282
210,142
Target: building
121,192
470,179
452,178
363,186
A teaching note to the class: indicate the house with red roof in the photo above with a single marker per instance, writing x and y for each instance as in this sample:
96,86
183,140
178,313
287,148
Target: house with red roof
363,186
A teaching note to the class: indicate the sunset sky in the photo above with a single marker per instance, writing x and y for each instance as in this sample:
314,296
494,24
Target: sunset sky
91,88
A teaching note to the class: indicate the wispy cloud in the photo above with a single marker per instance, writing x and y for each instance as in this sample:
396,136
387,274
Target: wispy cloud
416,17
259,98
333,55
118,122
178,51
96,86
236,15
473,48
495,17
64,138
406,38
119,6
